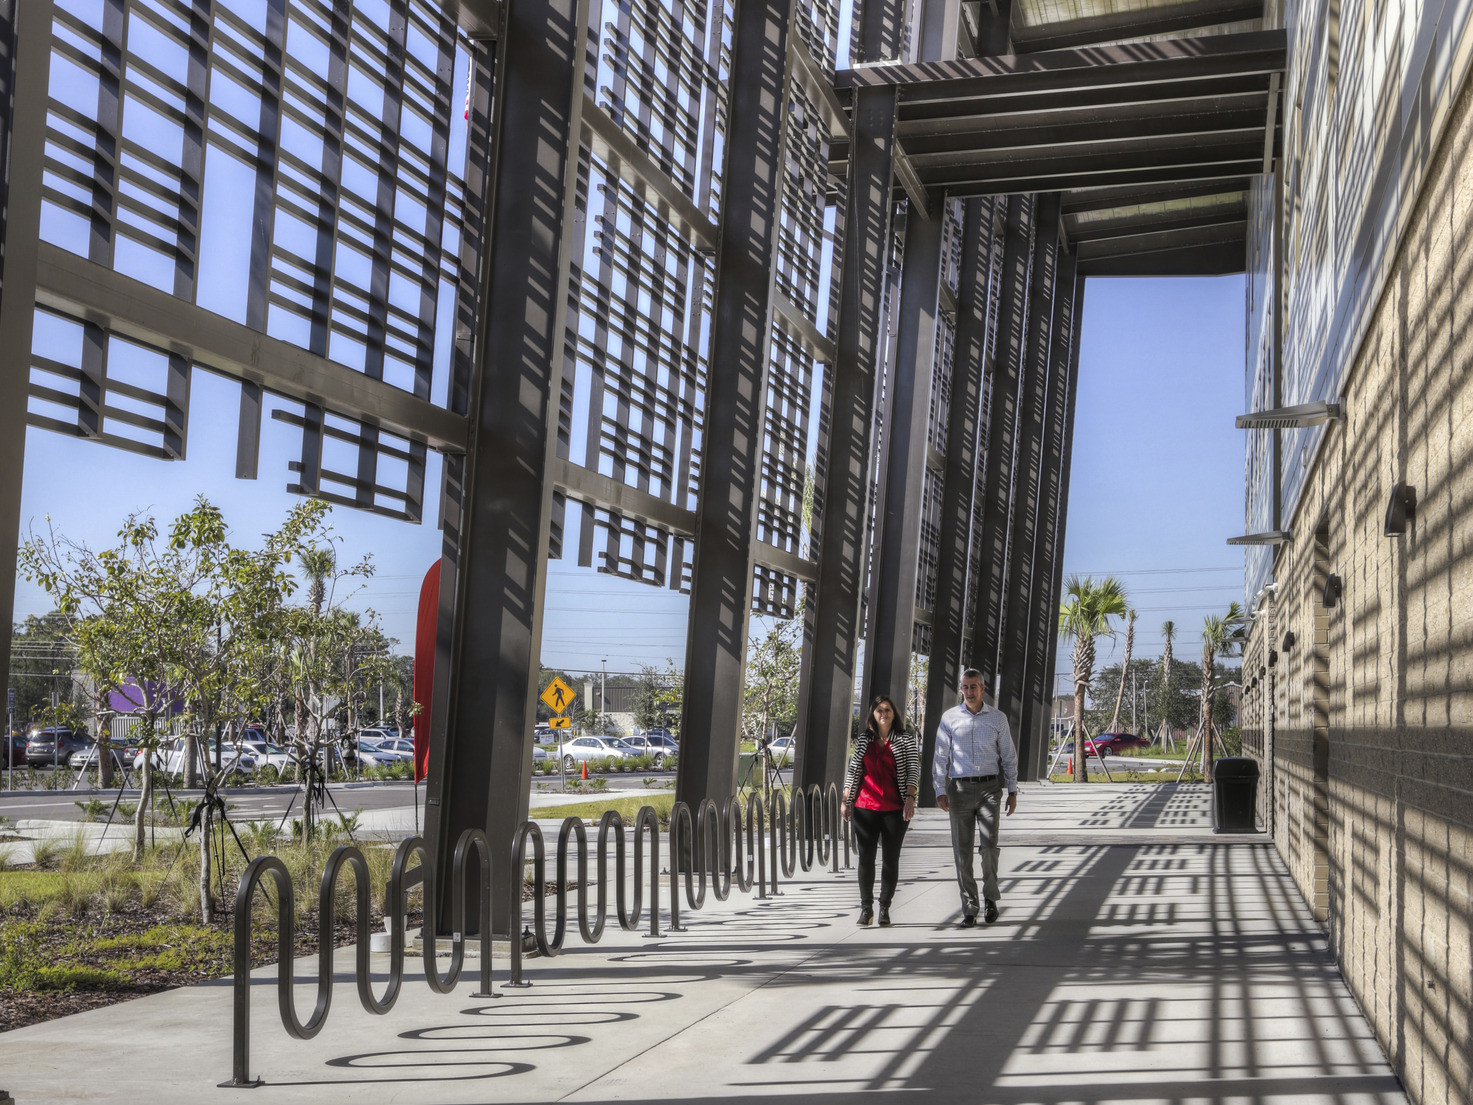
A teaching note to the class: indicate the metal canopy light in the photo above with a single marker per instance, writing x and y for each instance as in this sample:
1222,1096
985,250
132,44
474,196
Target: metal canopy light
1267,537
1401,509
1292,418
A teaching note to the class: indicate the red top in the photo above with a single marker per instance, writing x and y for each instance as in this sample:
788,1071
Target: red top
880,789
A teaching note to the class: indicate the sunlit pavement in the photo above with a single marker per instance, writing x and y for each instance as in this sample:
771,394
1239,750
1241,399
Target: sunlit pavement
1138,958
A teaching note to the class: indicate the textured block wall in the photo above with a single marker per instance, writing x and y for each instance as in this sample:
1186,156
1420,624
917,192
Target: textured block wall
1372,729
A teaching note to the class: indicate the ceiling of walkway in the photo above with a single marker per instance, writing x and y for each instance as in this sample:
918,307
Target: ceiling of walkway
1151,117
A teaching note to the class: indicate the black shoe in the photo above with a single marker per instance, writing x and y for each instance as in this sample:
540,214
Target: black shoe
991,913
969,920
866,916
884,916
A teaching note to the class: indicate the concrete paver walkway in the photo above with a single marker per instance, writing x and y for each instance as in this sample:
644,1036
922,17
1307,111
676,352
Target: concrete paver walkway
1138,959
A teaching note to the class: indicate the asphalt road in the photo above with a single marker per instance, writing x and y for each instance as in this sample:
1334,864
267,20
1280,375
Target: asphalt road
256,803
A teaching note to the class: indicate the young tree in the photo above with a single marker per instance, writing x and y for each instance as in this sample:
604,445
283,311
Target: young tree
1222,635
657,695
772,679
1085,615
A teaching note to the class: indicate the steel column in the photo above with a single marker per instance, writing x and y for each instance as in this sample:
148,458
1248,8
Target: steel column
731,448
1028,465
481,761
997,476
959,481
1042,611
842,509
897,542
1066,450
25,39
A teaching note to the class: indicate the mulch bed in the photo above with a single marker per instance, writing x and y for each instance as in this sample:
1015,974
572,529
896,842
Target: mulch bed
19,1008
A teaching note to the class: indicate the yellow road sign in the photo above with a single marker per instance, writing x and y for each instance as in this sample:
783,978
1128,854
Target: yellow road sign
559,697
560,723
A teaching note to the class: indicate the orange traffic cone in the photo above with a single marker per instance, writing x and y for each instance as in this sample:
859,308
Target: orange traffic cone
585,769
1071,766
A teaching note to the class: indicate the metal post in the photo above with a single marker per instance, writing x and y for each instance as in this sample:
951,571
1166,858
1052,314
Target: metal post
1028,469
842,510
997,475
25,41
897,542
721,577
1042,615
1066,449
481,762
968,364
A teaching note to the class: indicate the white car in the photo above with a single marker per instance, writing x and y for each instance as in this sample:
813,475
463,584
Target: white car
268,755
374,754
168,757
582,749
781,750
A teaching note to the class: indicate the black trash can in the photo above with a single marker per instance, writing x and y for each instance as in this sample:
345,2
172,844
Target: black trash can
1235,795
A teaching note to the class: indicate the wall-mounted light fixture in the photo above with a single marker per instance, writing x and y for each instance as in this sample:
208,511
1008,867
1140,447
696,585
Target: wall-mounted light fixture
1289,639
1401,509
1273,657
1333,588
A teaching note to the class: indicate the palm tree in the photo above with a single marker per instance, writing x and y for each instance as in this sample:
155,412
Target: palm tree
1084,615
1168,634
1124,669
319,565
1221,635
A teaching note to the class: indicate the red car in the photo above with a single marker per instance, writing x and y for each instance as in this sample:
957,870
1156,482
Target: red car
1110,743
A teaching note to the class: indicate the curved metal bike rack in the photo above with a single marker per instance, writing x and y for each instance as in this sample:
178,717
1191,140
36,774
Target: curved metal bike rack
720,843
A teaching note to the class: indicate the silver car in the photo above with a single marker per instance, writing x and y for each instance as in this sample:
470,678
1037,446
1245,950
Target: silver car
582,749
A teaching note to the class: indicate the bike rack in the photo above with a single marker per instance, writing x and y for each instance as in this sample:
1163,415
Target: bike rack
724,845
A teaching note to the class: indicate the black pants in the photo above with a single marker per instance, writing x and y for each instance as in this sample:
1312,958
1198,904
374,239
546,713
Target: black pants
873,828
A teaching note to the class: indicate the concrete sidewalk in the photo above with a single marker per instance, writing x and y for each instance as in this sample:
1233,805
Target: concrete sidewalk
1138,959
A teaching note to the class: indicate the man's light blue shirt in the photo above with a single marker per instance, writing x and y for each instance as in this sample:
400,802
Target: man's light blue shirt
969,744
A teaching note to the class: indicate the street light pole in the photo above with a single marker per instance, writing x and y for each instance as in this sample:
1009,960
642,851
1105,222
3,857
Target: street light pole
603,703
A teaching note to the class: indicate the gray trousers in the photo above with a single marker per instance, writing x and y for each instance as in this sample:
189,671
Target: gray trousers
974,809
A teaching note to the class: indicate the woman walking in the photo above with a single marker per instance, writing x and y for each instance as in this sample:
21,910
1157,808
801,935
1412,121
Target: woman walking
880,791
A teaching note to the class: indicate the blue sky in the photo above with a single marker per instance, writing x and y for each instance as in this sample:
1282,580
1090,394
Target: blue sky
1157,487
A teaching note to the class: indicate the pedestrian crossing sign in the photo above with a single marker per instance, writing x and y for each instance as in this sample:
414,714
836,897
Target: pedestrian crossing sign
558,696
560,723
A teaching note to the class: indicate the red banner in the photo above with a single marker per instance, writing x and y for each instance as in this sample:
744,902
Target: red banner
424,667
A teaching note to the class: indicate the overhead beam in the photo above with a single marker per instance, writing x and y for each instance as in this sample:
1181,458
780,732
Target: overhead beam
1158,241
1136,23
1163,60
918,115
480,19
1217,259
1018,135
1233,149
1108,198
1134,225
1160,174
87,290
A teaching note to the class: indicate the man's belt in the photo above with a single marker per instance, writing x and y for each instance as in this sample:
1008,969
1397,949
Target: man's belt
973,778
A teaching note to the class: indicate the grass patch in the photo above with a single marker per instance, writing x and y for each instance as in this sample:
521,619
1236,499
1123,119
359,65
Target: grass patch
592,811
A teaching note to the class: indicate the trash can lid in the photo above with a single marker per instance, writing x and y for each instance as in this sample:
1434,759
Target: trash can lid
1235,767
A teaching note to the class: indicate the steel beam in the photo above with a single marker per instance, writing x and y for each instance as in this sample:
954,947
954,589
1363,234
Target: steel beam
137,310
1121,228
1016,137
1069,181
481,761
959,479
1028,464
25,65
732,441
1108,199
1066,453
1041,614
1135,23
1218,259
841,510
997,475
898,525
979,78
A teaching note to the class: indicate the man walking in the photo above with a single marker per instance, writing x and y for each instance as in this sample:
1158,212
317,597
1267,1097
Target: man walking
974,759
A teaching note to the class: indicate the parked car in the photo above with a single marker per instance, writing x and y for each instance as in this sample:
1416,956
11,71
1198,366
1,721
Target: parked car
659,732
781,750
89,757
264,752
12,750
373,753
650,744
168,757
378,733
53,747
1110,743
401,745
581,749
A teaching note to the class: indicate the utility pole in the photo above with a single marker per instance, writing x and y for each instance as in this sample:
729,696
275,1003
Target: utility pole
603,703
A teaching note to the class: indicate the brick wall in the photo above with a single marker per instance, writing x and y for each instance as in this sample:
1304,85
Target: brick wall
1379,832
